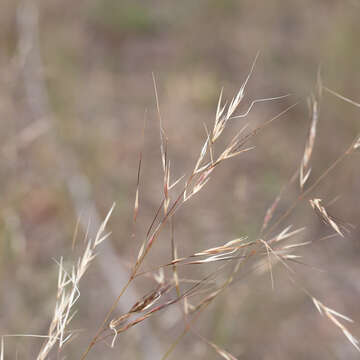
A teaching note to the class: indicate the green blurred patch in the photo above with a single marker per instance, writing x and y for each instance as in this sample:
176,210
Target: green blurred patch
271,183
224,7
343,55
122,16
250,229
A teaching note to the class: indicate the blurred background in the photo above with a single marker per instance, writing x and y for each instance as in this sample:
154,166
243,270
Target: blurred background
75,83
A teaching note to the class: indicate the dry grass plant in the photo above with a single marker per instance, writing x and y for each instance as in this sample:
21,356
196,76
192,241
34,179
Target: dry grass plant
276,243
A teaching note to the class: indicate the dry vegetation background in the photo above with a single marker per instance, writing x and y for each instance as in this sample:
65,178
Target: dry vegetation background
75,81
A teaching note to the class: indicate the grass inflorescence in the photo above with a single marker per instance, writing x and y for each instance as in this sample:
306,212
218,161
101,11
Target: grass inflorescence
276,244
